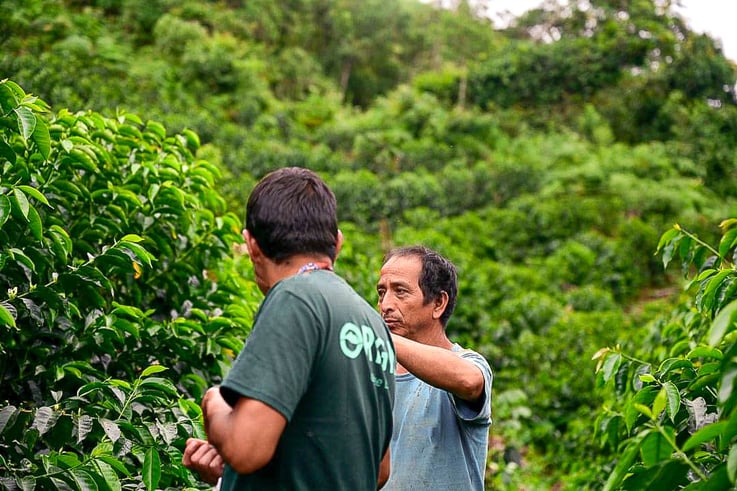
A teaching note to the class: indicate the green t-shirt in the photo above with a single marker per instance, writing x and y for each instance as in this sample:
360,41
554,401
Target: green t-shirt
321,356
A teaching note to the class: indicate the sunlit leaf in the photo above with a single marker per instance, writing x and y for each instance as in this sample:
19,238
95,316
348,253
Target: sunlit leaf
41,138
34,193
26,121
34,224
153,369
660,402
6,318
722,322
21,201
674,400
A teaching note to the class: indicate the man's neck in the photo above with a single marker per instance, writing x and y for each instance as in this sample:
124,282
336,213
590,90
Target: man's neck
301,263
434,337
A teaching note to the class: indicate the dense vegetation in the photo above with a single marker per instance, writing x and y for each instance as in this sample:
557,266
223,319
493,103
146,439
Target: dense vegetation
546,159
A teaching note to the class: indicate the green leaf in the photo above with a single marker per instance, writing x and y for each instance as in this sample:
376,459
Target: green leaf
623,466
34,223
732,463
4,210
138,251
7,151
660,402
722,322
132,238
643,409
6,318
153,369
108,474
151,469
115,464
21,257
611,365
158,383
84,480
41,138
9,96
705,434
674,400
654,449
26,121
727,242
714,284
705,352
647,378
726,385
21,201
34,193
67,460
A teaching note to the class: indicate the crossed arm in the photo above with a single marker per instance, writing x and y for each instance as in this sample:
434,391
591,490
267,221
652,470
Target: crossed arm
244,436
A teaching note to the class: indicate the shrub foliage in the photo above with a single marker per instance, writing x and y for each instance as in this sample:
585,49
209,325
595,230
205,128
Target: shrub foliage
119,298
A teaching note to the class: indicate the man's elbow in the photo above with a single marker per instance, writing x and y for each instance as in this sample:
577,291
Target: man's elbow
472,389
247,462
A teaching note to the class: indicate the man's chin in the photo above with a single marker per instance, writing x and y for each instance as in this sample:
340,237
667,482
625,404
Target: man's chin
397,329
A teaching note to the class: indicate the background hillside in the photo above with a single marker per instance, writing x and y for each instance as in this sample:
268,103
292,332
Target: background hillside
545,159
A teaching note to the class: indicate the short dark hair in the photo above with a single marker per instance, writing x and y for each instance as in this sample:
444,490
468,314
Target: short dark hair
292,211
438,275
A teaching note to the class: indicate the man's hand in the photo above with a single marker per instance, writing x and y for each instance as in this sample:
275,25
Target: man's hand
204,459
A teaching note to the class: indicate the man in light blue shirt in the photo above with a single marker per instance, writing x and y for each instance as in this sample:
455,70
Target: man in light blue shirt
442,410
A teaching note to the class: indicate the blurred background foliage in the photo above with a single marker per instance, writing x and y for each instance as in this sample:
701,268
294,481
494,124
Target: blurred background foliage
545,159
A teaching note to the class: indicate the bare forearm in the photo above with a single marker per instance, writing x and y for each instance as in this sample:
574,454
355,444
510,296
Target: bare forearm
440,368
246,435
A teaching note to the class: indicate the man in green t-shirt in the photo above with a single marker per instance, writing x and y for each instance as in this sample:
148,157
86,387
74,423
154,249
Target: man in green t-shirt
308,402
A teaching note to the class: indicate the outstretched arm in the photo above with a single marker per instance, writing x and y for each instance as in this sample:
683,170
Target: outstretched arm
440,368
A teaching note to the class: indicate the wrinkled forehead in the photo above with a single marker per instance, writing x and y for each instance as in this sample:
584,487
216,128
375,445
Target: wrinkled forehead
401,269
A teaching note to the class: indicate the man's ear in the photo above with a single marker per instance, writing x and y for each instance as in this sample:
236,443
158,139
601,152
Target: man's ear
338,244
440,304
254,251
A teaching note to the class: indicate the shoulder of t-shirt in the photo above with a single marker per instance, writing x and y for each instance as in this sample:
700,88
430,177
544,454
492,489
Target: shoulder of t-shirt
472,356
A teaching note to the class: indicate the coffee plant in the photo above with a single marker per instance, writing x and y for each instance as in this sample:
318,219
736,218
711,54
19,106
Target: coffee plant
672,415
121,300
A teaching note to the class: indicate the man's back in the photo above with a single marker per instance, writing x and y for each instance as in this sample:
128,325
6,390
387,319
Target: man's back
322,357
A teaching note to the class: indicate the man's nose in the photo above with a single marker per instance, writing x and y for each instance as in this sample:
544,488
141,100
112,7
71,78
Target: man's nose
385,304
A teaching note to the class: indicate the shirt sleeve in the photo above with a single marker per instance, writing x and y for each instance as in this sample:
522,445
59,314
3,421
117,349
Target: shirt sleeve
275,364
475,412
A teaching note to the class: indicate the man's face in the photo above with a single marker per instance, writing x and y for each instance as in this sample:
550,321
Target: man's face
401,301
